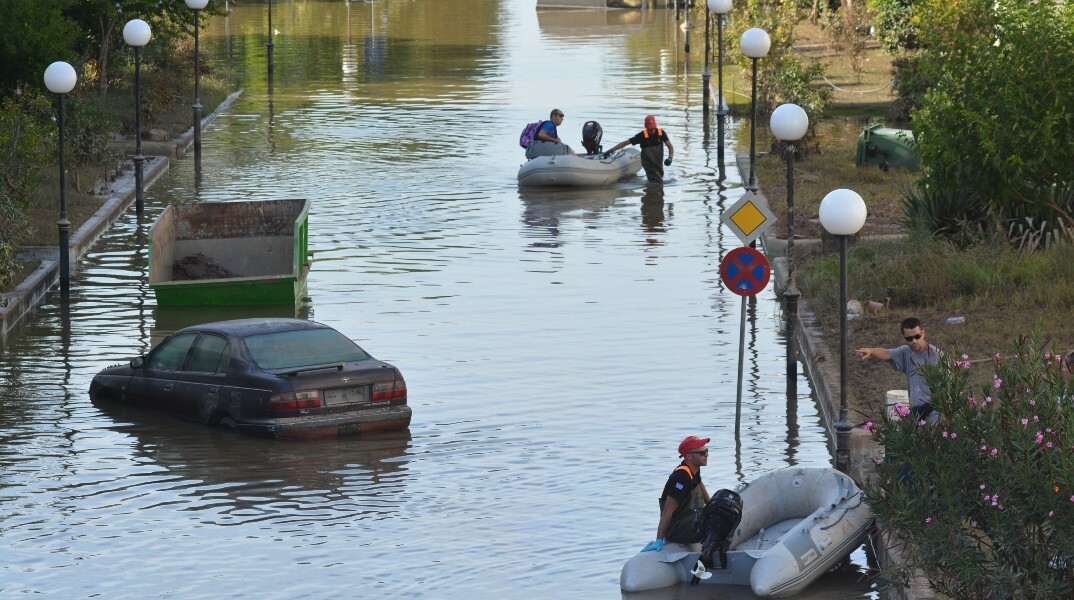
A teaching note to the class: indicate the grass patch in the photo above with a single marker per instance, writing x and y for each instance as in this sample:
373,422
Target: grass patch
176,116
829,169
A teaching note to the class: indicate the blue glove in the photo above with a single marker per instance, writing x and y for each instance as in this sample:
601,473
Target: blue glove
657,545
667,163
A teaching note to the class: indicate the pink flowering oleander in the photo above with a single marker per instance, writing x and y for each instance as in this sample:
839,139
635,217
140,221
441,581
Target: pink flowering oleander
869,427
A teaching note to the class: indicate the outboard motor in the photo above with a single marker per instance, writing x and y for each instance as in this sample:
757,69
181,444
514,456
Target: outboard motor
591,134
719,521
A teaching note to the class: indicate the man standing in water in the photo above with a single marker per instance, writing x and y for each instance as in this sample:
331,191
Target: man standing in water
652,140
909,359
684,497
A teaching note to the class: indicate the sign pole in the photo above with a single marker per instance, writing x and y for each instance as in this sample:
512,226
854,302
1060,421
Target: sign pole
741,364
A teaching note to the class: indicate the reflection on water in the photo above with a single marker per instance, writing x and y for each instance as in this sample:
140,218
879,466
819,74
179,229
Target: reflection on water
557,344
584,23
232,478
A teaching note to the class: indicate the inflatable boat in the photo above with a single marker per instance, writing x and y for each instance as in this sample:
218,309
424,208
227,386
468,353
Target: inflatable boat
587,170
776,534
580,170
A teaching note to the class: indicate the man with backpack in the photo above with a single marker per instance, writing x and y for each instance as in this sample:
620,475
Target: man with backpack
652,140
546,140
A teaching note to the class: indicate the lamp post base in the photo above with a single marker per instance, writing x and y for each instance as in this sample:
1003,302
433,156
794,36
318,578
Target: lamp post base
842,446
64,226
139,195
197,128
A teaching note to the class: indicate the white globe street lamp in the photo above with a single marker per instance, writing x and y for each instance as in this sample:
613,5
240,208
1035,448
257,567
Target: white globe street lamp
789,123
60,78
755,45
842,214
721,8
137,34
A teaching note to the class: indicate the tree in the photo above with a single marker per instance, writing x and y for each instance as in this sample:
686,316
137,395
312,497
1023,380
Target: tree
102,21
996,122
32,36
984,498
781,76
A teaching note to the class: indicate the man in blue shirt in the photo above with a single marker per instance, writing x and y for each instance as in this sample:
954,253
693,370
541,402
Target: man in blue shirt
547,142
909,359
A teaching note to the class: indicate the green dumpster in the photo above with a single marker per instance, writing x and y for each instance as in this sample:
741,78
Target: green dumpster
238,253
885,147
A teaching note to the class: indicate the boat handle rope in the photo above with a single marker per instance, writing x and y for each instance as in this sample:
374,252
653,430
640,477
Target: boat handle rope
846,509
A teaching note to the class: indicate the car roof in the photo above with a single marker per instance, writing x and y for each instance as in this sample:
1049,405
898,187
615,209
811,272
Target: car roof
245,327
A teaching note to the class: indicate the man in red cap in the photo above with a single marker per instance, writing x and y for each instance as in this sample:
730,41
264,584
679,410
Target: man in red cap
684,497
652,140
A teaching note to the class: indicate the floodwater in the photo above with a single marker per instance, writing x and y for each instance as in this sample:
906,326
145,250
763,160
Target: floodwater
557,344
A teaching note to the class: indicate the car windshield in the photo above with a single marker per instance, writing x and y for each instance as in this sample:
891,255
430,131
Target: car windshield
300,348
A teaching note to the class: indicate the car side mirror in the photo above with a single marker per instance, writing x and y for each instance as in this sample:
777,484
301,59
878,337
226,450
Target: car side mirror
137,362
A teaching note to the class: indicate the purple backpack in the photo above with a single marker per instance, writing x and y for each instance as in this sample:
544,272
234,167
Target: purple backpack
529,134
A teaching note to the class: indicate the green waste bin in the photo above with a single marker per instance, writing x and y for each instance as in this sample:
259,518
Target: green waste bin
885,147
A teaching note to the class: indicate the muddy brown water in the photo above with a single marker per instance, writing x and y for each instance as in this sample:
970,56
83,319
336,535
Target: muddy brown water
557,344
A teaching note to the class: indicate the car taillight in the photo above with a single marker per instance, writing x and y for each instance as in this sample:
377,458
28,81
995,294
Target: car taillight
385,391
294,400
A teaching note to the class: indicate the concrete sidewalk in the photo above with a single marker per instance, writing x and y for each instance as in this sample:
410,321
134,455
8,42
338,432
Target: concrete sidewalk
821,365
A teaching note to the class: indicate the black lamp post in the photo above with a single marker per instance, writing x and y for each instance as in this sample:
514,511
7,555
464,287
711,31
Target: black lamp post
137,34
269,45
789,123
755,45
721,107
842,213
60,78
721,8
196,6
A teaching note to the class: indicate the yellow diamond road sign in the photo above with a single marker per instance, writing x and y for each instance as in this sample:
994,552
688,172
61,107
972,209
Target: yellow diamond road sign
748,218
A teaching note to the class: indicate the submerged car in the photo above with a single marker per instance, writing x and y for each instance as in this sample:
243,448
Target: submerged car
287,378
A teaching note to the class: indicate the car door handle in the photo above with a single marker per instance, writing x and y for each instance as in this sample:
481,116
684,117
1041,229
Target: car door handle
212,391
167,387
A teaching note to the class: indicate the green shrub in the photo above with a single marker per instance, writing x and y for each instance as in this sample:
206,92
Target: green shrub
26,135
996,125
950,214
984,498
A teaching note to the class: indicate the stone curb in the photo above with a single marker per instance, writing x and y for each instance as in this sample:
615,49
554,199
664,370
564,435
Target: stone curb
821,365
20,304
178,147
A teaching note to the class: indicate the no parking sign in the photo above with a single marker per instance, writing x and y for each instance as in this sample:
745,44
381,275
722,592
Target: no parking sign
745,271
